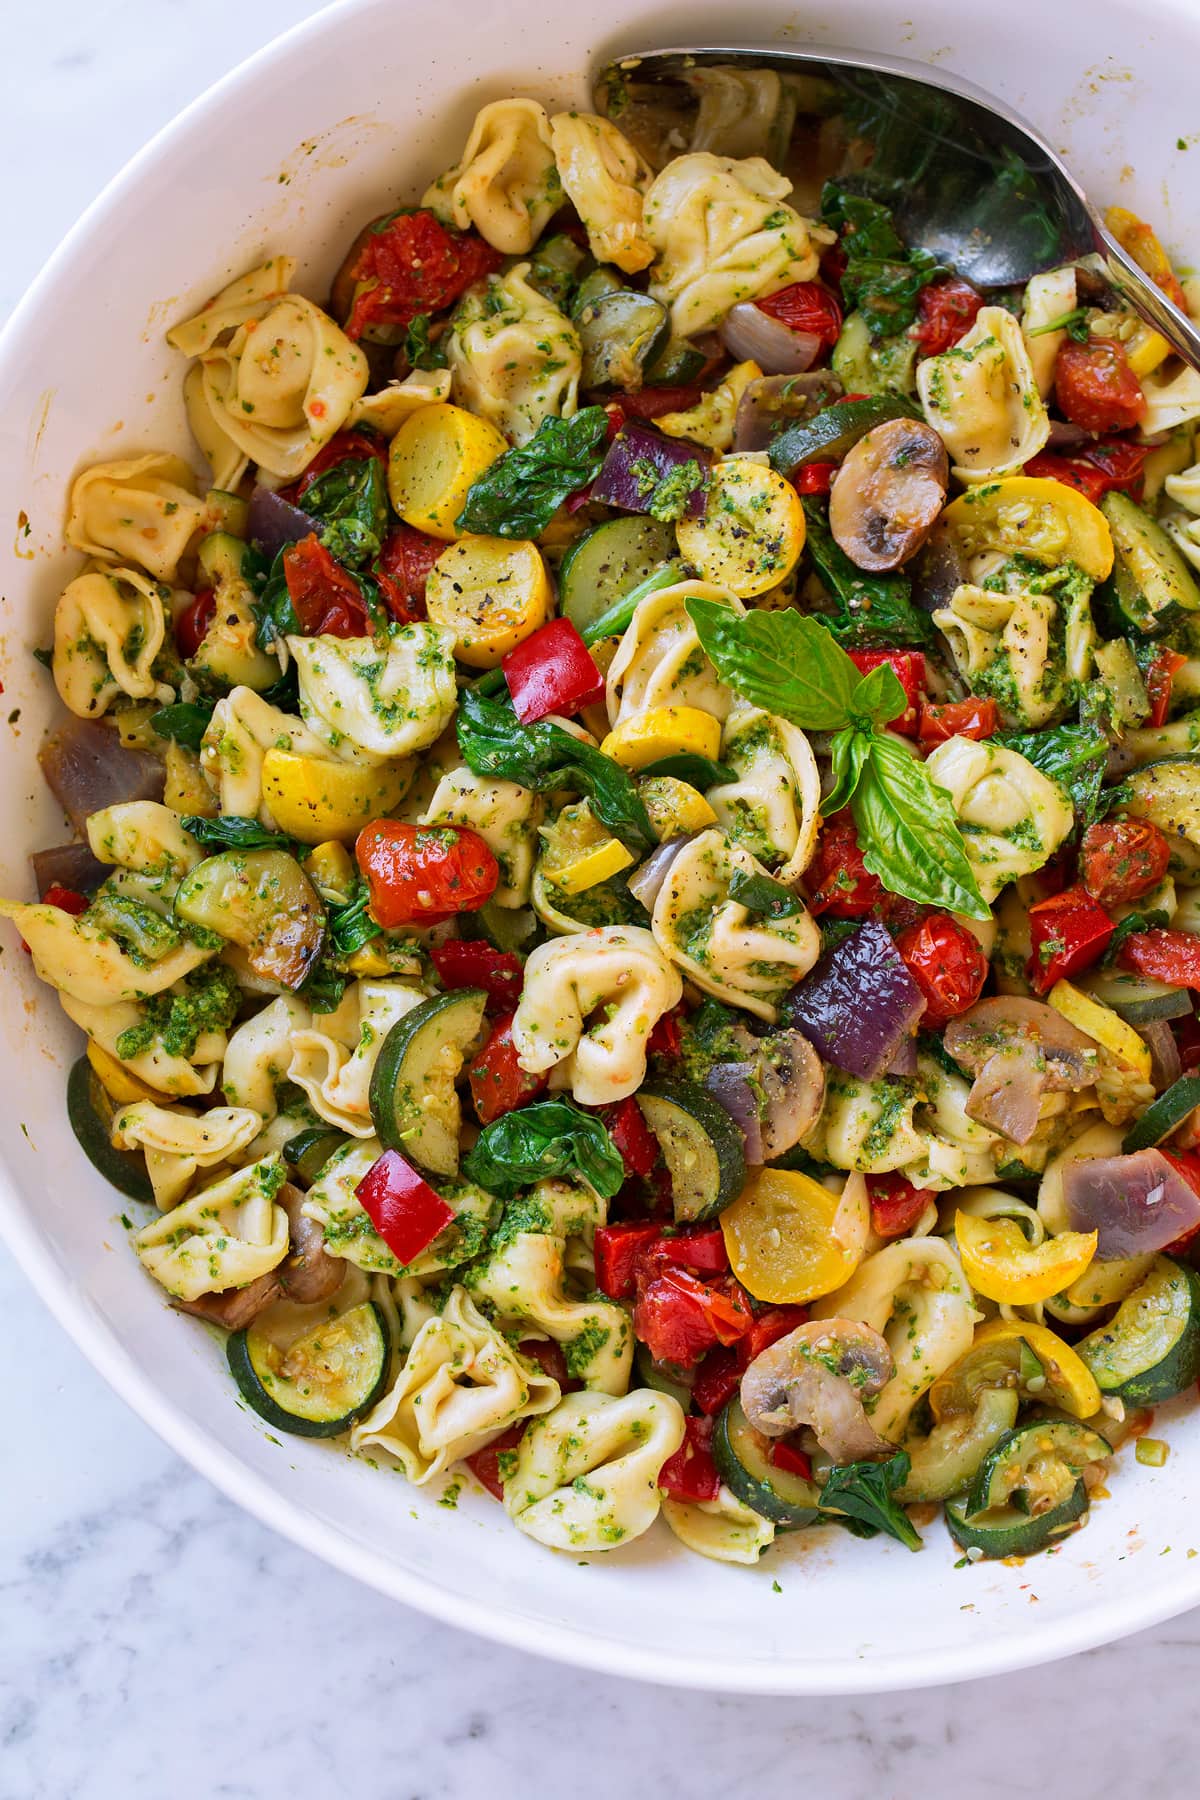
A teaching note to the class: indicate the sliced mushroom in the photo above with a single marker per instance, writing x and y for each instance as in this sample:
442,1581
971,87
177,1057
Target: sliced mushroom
1018,1050
236,1308
309,1272
774,1094
887,495
819,1375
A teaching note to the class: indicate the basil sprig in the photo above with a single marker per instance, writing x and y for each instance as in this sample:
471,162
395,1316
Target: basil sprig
790,666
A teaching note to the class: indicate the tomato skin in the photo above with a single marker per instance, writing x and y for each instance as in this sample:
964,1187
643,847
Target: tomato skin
945,313
721,1371
808,307
327,601
632,1136
485,1464
497,1081
1122,860
551,671
1095,386
402,569
424,874
691,1474
843,888
65,899
895,1204
344,446
814,478
411,263
977,719
191,627
908,666
1160,678
1169,956
1068,933
947,964
462,964
652,402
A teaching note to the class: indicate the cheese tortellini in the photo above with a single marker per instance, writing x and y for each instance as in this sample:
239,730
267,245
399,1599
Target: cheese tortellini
721,232
524,1280
515,359
506,183
259,1053
334,1064
143,510
773,808
166,1071
604,178
177,1143
1012,817
659,661
741,957
590,1001
586,1474
334,1205
242,729
982,398
224,1237
109,628
1048,297
1004,645
724,1529
505,816
385,696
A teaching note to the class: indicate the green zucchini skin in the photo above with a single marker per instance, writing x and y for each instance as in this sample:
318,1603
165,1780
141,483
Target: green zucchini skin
653,1375
1136,999
831,433
1167,1364
1007,1532
1073,1444
742,1464
608,563
303,1416
89,1111
1151,584
403,1071
701,1145
1163,1115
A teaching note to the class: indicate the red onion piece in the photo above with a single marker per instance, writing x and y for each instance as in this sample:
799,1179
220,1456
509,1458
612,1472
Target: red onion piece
1138,1204
87,768
68,865
635,453
767,406
274,522
1165,1064
1007,1093
904,1062
732,1085
1064,435
858,1003
753,336
645,884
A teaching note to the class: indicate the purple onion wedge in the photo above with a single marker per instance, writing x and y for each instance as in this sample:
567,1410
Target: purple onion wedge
647,472
732,1086
67,865
1138,1204
274,522
858,1004
87,768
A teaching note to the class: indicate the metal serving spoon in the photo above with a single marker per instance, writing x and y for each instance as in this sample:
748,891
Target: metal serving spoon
966,177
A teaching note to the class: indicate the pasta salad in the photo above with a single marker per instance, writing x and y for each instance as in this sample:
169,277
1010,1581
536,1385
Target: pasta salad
634,880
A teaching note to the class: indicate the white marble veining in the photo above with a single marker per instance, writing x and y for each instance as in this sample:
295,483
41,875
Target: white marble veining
155,1641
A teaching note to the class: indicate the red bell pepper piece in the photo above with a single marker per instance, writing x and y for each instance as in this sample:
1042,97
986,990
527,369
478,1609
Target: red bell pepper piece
1160,678
837,875
976,719
550,1360
552,671
1170,956
768,1328
1068,933
633,1137
717,1380
403,1208
678,1317
618,1250
485,1464
667,1037
498,1082
473,964
691,1474
814,478
191,627
908,666
702,1251
785,1456
895,1204
65,899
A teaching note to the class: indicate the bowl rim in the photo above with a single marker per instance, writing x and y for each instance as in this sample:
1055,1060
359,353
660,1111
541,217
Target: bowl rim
880,1673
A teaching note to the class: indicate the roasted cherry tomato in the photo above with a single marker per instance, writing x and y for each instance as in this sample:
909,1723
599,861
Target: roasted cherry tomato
191,627
411,263
1122,860
1160,678
958,718
345,446
691,1474
1096,470
633,1137
1169,956
65,899
807,307
402,569
326,599
814,478
1068,933
908,666
497,1081
474,964
424,874
837,875
946,963
895,1204
1095,386
945,313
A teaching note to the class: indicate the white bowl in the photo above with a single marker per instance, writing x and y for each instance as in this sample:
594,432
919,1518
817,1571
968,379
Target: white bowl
350,112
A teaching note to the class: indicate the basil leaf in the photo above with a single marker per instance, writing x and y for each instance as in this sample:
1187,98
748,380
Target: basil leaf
1074,756
880,697
882,277
185,722
274,614
519,495
351,926
350,500
872,611
865,1491
908,832
785,663
548,1137
542,757
701,771
1130,926
848,752
418,348
235,833
762,894
325,987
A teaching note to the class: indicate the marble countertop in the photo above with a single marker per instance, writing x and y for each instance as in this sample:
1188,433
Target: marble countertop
155,1640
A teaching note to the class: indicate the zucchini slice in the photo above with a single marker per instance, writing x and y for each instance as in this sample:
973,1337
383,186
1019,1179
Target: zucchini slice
679,364
1035,1467
1165,1115
702,1148
262,900
1150,1348
1136,998
1008,1532
662,1377
830,434
90,1112
620,333
608,563
1151,585
1168,794
309,1151
742,1456
414,1101
322,1382
946,1461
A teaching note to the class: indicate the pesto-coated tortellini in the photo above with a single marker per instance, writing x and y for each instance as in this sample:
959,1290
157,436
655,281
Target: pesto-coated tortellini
659,661
1007,645
333,1061
713,418
259,1052
334,1205
604,178
914,1292
524,1279
586,1474
386,410
82,959
722,233
1048,297
142,835
389,695
166,1071
981,396
224,1237
590,1001
177,1143
506,182
1172,396
741,957
242,729
250,296
724,1529
1012,817
866,1125
462,1384
504,815
143,510
773,809
515,359
109,627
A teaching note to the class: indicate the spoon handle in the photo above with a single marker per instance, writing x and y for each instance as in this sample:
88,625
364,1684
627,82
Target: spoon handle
1135,289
